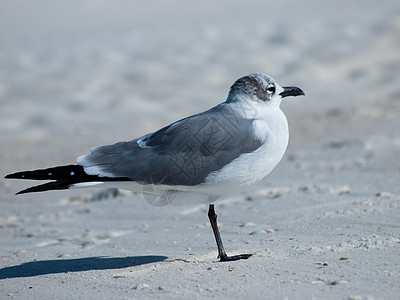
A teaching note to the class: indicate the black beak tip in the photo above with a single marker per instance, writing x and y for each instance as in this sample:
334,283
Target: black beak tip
292,91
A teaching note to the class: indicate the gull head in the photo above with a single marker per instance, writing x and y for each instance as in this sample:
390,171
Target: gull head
260,88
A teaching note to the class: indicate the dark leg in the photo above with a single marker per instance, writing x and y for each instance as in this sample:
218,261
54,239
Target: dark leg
221,251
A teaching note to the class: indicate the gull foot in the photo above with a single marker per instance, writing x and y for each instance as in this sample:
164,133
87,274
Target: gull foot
234,257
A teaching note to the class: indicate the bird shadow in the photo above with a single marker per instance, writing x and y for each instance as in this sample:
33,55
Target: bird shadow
44,267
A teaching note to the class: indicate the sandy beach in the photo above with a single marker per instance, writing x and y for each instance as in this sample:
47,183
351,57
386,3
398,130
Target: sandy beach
323,225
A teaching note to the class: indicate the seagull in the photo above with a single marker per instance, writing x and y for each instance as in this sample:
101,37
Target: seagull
196,160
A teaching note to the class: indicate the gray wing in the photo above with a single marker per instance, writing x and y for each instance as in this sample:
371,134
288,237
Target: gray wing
183,153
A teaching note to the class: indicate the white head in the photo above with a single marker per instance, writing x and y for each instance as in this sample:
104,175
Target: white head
260,88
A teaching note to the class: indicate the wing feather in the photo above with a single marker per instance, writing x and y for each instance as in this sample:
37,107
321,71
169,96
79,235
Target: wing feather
182,153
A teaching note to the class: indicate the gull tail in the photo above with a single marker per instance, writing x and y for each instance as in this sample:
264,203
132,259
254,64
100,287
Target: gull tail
63,178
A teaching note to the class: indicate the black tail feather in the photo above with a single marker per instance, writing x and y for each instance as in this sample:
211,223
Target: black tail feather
63,177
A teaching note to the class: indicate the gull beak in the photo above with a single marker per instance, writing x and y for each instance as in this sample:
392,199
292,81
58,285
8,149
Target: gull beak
291,91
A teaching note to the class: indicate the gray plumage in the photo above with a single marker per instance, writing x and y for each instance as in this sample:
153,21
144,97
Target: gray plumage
183,153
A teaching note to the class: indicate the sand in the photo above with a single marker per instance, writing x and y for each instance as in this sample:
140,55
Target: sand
323,225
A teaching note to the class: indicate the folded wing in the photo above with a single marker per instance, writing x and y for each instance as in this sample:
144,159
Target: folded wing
183,153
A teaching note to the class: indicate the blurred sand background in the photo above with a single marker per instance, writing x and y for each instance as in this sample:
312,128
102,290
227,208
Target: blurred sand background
323,225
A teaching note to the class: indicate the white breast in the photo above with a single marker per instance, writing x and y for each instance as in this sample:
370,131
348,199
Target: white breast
272,130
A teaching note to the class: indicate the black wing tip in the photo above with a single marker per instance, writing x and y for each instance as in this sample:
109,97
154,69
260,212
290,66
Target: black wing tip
54,185
67,172
12,176
63,178
49,186
29,190
22,192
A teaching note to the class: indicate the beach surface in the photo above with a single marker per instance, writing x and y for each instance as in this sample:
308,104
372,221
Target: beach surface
323,225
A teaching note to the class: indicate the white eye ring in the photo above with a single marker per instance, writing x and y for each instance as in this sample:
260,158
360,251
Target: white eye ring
271,89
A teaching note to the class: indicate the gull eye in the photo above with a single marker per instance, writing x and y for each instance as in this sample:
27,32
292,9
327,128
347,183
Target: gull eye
271,89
